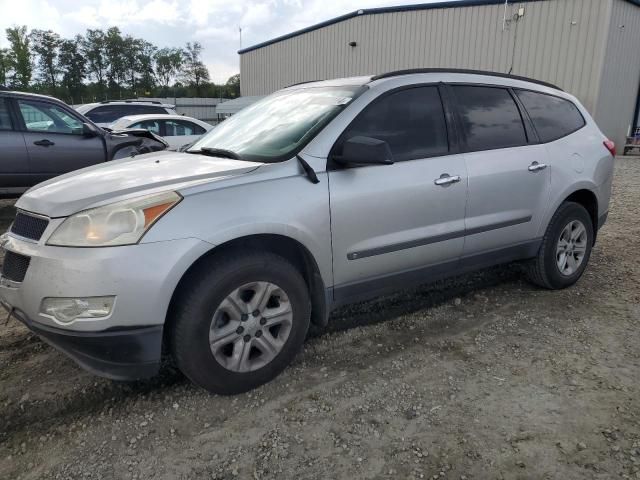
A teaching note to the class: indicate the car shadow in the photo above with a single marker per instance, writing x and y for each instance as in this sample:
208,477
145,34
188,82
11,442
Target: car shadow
97,395
406,302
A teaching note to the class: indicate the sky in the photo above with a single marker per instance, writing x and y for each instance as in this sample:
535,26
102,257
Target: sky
172,23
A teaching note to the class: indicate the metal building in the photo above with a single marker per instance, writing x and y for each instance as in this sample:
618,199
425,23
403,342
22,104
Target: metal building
590,48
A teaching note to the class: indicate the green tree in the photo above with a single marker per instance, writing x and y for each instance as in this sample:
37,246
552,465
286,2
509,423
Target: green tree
117,53
93,47
233,86
20,66
195,73
168,63
145,65
137,57
71,62
46,44
4,65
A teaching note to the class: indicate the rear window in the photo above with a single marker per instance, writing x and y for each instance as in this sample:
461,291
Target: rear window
111,113
490,118
143,109
5,119
553,117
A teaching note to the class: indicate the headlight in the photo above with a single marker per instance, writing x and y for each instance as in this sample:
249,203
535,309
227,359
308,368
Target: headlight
121,223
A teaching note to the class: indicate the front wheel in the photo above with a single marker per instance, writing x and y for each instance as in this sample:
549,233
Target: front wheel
565,250
238,322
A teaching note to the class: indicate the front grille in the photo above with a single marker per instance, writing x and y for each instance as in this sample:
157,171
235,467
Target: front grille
28,226
15,266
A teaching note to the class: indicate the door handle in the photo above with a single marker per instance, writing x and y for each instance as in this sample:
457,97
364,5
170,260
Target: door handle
535,166
44,143
446,179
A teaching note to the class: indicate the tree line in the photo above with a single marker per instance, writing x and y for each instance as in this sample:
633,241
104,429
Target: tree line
102,65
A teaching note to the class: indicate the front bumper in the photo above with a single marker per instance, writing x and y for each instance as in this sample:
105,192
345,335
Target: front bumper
126,344
129,354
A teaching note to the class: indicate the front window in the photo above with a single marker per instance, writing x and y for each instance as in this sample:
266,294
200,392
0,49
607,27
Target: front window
45,117
151,125
280,125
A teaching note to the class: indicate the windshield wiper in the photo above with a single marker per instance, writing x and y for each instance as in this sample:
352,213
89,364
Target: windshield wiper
217,152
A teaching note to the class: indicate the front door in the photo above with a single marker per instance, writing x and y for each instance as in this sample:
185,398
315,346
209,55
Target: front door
55,141
390,222
14,164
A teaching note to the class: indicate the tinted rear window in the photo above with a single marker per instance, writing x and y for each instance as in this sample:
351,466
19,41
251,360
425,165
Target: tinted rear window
490,118
111,113
5,119
553,117
411,121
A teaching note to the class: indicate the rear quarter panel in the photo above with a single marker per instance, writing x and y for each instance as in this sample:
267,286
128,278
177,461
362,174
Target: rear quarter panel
579,161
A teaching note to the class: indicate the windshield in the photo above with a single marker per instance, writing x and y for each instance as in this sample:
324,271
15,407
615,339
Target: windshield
280,125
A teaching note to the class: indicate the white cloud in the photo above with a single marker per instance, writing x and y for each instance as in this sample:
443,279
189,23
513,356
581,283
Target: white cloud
43,14
160,11
214,23
257,15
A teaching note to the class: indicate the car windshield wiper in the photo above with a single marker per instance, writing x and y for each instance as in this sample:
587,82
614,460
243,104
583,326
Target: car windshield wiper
217,152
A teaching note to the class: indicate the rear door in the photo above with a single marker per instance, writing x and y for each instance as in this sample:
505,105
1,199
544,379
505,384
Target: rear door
55,140
509,177
14,160
390,222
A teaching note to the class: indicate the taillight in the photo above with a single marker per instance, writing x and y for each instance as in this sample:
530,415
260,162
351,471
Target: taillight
611,146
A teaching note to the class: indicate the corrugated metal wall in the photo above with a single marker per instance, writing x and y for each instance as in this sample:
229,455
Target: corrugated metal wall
621,73
561,41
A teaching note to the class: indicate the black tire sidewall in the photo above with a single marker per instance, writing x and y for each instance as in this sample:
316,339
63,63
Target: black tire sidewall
192,350
568,213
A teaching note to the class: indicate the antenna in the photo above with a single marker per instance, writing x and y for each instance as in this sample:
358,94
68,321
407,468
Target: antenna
240,31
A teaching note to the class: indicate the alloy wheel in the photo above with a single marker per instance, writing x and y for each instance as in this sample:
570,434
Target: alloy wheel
571,247
250,326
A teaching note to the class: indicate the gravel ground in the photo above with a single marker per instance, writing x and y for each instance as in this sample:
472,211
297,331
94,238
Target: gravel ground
482,376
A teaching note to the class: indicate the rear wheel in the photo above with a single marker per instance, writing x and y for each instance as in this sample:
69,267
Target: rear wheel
565,249
239,322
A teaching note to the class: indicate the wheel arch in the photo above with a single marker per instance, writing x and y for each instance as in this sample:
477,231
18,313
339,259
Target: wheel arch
589,201
278,244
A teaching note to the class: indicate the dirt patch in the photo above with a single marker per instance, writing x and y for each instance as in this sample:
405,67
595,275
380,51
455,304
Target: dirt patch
482,376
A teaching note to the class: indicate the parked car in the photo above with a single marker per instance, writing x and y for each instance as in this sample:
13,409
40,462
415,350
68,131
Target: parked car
317,196
105,113
177,130
41,137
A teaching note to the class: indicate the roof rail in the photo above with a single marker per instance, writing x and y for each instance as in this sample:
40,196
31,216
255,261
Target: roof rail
131,101
143,101
462,70
302,83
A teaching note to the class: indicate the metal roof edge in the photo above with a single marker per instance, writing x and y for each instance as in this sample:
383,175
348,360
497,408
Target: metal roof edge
379,10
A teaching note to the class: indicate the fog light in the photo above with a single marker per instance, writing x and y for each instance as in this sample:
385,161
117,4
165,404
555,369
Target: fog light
68,309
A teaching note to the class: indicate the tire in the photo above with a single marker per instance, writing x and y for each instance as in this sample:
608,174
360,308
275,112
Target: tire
216,298
544,270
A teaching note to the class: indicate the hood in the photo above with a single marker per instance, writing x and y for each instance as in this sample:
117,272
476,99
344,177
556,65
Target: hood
79,190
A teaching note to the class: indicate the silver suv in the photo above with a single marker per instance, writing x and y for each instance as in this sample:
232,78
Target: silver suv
319,195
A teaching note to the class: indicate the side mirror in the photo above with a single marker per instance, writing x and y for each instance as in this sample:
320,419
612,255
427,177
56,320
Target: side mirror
89,130
365,151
